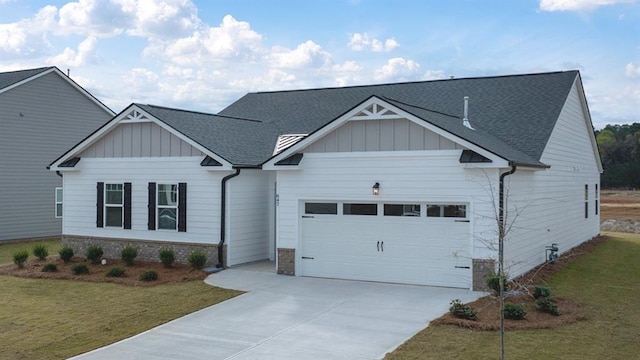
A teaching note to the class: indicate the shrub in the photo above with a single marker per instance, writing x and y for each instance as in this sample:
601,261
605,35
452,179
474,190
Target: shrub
40,251
197,259
129,253
541,292
493,282
545,304
167,257
460,310
514,311
149,275
50,267
19,257
79,269
66,253
94,253
115,271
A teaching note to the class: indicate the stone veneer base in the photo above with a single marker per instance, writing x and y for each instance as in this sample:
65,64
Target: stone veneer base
482,269
286,261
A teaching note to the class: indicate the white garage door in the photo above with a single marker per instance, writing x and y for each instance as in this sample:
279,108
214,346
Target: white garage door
419,243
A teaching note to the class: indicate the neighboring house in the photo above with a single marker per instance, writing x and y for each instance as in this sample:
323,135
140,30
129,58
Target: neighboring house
42,112
389,182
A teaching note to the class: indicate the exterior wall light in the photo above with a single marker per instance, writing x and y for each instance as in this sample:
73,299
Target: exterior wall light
376,189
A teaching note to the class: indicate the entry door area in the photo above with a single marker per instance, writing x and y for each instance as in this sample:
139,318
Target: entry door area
411,243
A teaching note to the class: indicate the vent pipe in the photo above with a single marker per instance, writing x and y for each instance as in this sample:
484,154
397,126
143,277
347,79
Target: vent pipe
465,119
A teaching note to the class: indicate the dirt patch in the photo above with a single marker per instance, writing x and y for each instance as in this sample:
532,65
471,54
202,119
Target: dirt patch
620,211
488,307
97,273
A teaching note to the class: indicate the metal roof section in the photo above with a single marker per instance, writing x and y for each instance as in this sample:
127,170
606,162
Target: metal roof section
469,157
291,160
209,161
70,163
287,140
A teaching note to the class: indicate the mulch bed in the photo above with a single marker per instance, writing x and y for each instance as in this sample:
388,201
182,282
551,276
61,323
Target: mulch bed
488,307
178,273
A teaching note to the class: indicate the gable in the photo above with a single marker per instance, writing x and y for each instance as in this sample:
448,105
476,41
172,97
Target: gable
380,135
142,139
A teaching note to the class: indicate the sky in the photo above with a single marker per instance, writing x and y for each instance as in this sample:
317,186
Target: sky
203,55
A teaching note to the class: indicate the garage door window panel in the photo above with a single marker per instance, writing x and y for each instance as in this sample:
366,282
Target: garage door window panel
447,210
321,208
360,209
412,210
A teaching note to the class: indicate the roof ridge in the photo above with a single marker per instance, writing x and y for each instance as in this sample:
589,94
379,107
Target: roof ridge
415,82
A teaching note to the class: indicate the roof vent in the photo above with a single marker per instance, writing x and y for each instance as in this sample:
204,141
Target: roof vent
465,120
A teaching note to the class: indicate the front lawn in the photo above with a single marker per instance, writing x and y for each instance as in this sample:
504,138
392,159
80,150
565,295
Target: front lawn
54,319
605,282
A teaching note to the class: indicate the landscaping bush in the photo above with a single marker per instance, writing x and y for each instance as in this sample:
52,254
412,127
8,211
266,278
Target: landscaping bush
167,257
94,253
541,292
79,269
197,259
149,276
19,257
66,253
129,253
460,310
115,271
493,282
514,311
545,304
50,267
40,251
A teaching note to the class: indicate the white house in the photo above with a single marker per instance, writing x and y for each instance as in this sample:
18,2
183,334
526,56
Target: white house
396,182
42,112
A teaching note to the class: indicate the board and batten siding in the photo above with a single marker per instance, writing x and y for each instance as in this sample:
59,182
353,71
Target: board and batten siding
249,206
380,135
404,177
203,197
39,121
550,203
140,140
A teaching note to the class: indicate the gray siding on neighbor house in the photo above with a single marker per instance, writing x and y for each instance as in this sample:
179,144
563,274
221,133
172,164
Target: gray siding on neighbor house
39,121
140,140
381,135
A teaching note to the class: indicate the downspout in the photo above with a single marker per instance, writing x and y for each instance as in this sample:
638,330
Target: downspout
223,217
58,173
501,235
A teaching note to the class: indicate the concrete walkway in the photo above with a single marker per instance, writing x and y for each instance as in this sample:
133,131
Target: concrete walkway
284,317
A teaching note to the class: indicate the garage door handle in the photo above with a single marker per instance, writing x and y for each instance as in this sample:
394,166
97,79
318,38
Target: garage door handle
307,217
462,220
463,267
307,257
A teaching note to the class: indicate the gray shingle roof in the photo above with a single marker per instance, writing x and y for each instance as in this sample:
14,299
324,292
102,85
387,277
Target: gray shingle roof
12,77
513,115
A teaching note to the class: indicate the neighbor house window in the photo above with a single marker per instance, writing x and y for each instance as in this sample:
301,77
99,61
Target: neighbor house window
167,206
597,198
586,201
58,202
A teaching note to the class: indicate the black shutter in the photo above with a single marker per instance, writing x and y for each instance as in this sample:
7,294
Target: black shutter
151,223
100,205
182,207
127,205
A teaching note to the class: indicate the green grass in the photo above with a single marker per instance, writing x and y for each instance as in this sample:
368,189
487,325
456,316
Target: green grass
7,250
54,319
606,283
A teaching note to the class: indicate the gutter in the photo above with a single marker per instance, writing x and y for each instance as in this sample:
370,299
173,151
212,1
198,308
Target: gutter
223,217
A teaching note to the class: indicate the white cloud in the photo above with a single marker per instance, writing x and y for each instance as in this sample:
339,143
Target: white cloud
75,58
360,42
577,5
398,69
346,73
12,38
307,54
632,71
434,75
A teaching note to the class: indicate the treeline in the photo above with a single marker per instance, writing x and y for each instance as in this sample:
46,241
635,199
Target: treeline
619,147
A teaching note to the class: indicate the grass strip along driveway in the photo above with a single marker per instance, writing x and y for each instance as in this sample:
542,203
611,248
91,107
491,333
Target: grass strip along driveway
55,319
605,282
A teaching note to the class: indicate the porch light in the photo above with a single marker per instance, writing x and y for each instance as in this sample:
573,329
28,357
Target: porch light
376,189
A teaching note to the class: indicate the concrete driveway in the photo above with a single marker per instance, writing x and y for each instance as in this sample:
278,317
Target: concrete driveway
284,317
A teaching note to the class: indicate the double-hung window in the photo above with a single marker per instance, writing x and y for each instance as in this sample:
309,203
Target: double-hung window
58,200
113,205
167,206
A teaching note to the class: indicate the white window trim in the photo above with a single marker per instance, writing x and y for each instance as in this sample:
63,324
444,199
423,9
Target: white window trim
158,206
58,201
109,205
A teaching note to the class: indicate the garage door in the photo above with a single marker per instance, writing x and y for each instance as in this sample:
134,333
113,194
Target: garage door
419,243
